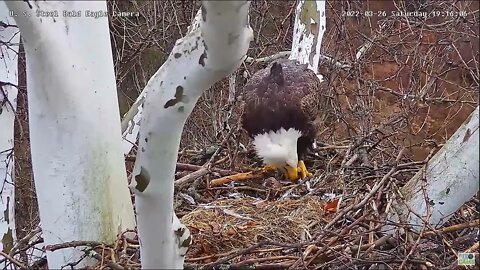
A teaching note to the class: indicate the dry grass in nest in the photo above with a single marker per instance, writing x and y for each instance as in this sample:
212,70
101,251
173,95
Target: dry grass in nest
230,224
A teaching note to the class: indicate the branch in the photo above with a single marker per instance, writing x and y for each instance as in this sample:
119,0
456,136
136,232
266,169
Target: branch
310,25
197,61
191,167
256,174
449,179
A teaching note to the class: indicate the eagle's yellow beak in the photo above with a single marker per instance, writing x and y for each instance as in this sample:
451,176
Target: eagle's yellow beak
292,174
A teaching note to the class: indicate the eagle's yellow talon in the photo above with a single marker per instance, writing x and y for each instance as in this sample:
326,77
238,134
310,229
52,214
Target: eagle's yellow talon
291,173
302,169
301,172
269,168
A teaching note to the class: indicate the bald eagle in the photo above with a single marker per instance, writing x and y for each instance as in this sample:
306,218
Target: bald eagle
282,112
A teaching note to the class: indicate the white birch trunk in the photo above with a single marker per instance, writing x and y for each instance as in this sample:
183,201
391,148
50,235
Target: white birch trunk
9,45
310,25
448,180
77,158
131,120
197,61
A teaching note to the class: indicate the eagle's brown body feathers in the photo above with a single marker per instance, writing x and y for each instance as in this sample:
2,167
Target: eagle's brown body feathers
286,95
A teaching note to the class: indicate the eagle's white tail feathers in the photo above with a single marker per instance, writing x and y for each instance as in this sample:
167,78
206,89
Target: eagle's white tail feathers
278,148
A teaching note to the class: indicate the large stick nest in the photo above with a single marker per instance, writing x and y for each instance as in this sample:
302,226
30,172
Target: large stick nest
414,85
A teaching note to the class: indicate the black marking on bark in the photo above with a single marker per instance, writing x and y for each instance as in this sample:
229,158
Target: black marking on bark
143,179
431,202
205,45
179,232
28,2
196,45
201,61
186,242
184,77
161,82
232,38
6,213
181,109
170,103
204,13
299,49
467,135
177,55
441,203
146,139
179,97
447,191
143,149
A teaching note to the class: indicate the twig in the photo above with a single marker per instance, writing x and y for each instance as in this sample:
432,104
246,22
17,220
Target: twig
205,168
111,264
368,196
72,244
266,259
456,227
377,243
359,205
24,241
190,177
14,261
473,248
191,167
284,54
269,58
256,174
213,265
414,247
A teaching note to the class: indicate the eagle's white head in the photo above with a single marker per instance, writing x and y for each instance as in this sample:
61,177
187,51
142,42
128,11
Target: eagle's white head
278,148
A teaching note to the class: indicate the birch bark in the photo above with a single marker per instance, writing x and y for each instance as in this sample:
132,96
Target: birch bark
9,45
197,61
448,180
78,164
310,25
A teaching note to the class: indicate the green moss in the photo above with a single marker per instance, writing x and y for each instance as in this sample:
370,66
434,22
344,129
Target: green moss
98,191
7,241
309,12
